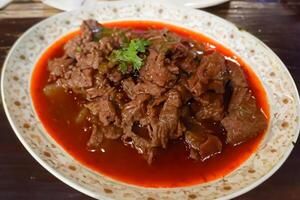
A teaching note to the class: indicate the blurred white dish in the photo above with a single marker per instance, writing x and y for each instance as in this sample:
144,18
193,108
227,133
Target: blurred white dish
68,5
196,3
4,3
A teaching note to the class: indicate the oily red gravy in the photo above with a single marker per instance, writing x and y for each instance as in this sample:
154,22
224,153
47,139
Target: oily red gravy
72,117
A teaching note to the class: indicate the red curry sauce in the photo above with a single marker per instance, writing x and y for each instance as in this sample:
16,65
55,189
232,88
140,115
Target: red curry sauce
172,168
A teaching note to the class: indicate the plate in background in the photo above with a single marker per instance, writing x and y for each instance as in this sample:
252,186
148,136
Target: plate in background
68,5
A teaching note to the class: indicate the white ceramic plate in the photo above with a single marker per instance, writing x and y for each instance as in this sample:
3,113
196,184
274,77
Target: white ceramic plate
68,5
283,95
196,3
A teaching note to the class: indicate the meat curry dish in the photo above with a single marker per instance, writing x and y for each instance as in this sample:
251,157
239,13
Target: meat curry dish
149,89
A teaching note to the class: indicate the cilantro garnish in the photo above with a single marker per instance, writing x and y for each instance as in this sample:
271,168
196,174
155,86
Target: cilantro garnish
129,55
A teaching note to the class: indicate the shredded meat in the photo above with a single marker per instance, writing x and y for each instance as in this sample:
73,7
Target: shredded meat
104,109
172,88
142,87
155,71
210,75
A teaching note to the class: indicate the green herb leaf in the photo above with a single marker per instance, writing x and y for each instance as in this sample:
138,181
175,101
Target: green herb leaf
78,49
123,67
129,55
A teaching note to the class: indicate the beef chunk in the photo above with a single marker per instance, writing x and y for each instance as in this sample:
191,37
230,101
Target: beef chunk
76,79
91,30
147,87
90,60
211,107
210,75
99,134
160,129
153,109
173,69
90,48
203,145
236,74
115,76
104,109
214,72
187,55
155,71
142,145
167,125
73,46
58,66
96,138
133,111
244,120
82,43
185,94
101,88
129,87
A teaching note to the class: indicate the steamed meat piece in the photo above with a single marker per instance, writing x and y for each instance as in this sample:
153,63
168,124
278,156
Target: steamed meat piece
91,48
155,71
162,40
214,72
244,120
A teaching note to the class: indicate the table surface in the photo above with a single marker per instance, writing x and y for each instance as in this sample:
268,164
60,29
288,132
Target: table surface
275,22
